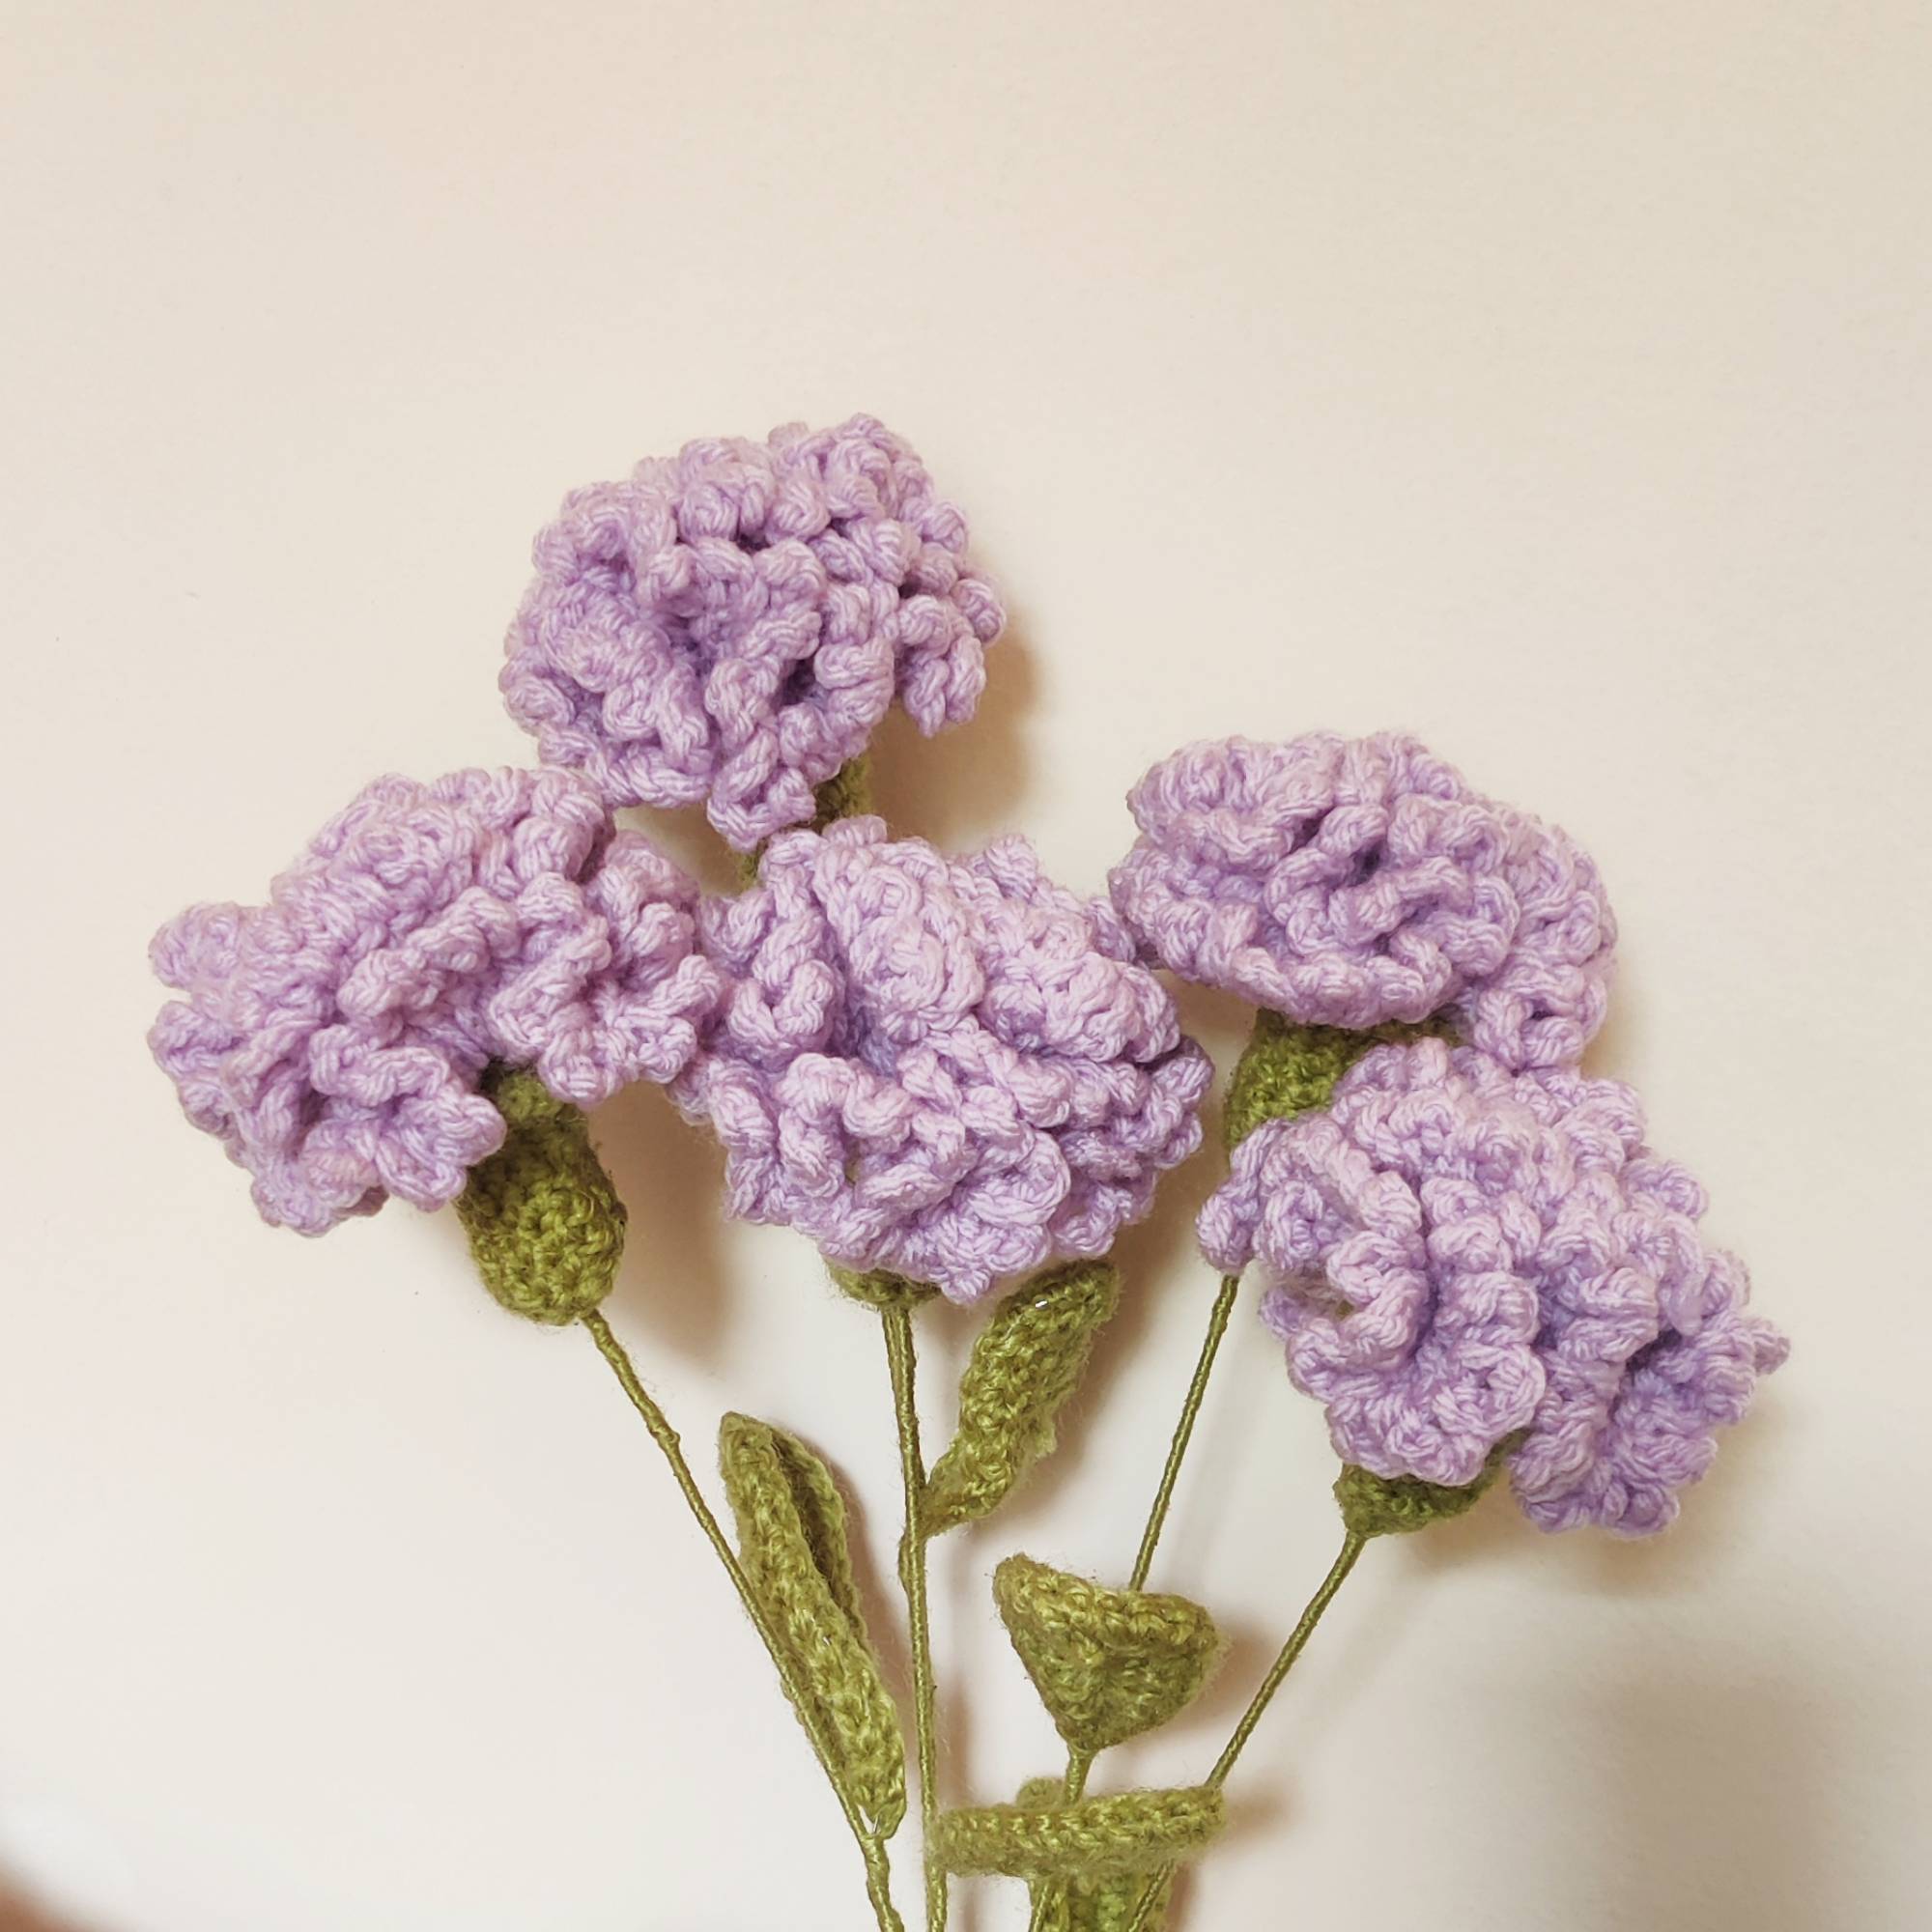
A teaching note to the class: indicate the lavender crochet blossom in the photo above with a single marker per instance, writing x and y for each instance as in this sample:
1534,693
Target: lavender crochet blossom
1461,1253
950,1068
730,625
333,1038
1349,882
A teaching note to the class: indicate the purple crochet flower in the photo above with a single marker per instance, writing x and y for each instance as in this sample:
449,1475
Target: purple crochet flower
334,1038
1461,1253
950,1068
1347,882
730,624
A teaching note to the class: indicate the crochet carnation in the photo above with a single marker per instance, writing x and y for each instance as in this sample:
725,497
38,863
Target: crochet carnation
730,625
1349,882
1463,1254
950,1068
334,1038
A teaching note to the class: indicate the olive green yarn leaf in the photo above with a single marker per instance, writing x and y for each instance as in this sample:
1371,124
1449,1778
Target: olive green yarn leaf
1108,1664
1025,1363
1375,1505
1288,1068
1090,1838
880,1287
798,1563
1084,1904
545,1227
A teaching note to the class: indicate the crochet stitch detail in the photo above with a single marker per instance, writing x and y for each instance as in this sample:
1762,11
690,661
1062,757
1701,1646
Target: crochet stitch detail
1025,1362
1375,1505
333,1038
1349,882
1288,1068
1460,1253
1108,1664
545,1227
952,1069
1091,1838
1090,1904
730,624
791,1529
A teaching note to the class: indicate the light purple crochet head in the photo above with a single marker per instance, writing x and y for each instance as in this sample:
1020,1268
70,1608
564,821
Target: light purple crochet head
1460,1253
950,1068
1348,882
730,625
333,1038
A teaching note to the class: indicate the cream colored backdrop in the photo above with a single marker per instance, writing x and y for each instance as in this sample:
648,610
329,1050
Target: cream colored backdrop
1552,380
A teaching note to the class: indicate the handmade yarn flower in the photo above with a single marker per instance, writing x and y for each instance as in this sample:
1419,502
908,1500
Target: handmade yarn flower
334,1038
1349,882
1463,1254
730,625
949,1069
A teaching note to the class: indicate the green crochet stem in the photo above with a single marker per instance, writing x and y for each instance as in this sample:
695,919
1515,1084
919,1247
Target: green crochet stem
897,1316
1353,1546
1080,1762
1286,1069
878,1888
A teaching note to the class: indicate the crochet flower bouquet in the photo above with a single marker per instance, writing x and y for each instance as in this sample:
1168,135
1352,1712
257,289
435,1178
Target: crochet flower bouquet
956,1077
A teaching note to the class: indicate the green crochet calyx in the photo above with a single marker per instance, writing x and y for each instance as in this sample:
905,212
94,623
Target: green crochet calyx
545,1227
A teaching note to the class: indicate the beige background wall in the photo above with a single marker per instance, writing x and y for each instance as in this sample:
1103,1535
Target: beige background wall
1551,379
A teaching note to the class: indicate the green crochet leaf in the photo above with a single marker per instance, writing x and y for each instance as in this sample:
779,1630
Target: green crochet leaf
1288,1068
545,1227
1375,1505
1084,1904
1093,1838
791,1534
1028,1360
1108,1664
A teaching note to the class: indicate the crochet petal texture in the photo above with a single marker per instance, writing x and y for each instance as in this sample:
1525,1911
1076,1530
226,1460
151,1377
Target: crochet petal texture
334,1038
1462,1254
951,1070
730,625
1354,882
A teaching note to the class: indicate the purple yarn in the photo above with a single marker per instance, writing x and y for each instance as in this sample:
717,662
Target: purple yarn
1348,882
950,1068
333,1038
730,624
1460,1253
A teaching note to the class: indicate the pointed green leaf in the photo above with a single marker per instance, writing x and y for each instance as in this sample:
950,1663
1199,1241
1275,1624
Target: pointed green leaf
1093,1838
1027,1360
1108,1664
791,1533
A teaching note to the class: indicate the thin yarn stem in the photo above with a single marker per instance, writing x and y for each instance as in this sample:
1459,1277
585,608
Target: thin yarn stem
877,1872
1352,1546
902,1358
1080,1763
1183,1430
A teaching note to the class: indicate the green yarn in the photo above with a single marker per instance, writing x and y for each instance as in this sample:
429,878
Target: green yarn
847,794
1288,1068
792,1539
1026,1361
1108,1664
1375,1505
880,1287
1094,1838
1086,1904
545,1227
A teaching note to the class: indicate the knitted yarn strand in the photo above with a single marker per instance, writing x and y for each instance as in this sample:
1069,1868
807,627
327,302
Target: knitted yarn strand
896,1316
877,1871
1353,1546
